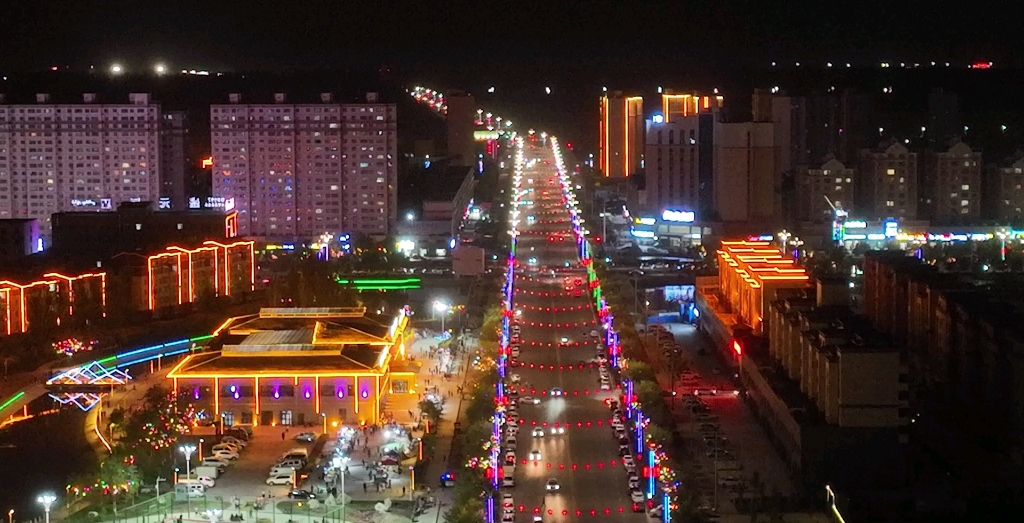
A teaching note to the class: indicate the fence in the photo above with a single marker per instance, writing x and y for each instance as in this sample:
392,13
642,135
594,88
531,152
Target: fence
167,508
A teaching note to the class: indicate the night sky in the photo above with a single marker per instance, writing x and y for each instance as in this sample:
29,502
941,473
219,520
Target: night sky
481,37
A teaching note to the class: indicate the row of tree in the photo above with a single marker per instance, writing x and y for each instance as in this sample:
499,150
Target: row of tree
144,441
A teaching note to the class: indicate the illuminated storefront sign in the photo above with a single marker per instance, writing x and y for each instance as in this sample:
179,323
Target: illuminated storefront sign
678,216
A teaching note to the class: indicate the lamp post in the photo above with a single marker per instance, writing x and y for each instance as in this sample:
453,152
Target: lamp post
10,516
188,450
340,464
324,416
46,500
443,309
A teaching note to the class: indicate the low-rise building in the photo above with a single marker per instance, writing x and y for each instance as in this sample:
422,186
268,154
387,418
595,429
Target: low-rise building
298,366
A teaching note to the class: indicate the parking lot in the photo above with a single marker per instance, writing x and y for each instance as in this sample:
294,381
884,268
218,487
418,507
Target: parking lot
720,429
246,477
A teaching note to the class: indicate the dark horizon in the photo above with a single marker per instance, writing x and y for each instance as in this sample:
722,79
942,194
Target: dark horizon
231,35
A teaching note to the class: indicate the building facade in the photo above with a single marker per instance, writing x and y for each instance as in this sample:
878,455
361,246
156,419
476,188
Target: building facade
460,122
174,162
296,171
747,186
820,188
77,157
965,360
951,183
136,227
672,164
18,239
297,366
889,176
621,134
1008,190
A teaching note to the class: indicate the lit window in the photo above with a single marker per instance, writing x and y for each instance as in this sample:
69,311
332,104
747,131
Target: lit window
890,172
138,226
965,187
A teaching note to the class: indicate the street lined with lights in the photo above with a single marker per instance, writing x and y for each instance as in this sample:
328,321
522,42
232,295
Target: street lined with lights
547,333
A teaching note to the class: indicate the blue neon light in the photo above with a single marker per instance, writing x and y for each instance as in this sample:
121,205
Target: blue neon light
151,358
650,475
153,347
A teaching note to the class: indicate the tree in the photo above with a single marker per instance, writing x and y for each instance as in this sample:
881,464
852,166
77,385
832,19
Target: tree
431,410
119,477
659,435
638,371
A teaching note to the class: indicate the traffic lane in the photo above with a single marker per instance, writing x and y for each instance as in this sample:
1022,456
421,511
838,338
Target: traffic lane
584,459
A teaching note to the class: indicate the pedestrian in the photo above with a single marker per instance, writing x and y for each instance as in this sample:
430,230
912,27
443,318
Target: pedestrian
282,435
403,492
364,491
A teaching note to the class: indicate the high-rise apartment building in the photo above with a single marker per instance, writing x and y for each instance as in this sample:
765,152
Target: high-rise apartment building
174,164
621,134
746,183
460,122
820,187
889,182
679,151
951,184
816,125
297,171
77,157
1007,189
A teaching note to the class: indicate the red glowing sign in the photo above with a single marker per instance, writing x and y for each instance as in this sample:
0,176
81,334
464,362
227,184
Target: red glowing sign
737,347
207,162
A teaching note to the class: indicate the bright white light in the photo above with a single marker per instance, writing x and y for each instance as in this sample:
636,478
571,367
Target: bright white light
547,90
160,69
116,69
491,90
441,307
410,216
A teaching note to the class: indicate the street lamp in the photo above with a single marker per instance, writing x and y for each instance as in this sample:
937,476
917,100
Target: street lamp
443,309
46,500
10,516
340,464
188,450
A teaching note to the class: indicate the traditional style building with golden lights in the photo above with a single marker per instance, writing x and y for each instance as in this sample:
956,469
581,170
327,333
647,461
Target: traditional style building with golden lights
299,366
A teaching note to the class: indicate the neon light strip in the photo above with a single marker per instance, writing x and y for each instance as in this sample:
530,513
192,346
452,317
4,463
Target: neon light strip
12,399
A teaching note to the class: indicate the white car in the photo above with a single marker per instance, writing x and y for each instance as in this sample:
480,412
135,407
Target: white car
224,453
280,479
557,430
535,455
507,503
226,446
214,461
628,461
234,441
515,378
552,485
538,432
605,385
636,496
556,391
529,400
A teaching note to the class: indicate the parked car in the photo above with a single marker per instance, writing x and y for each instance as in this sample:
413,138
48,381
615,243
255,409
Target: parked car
280,479
307,437
225,453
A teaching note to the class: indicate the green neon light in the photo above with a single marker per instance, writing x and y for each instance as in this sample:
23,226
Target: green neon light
11,401
106,360
201,338
386,287
381,281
